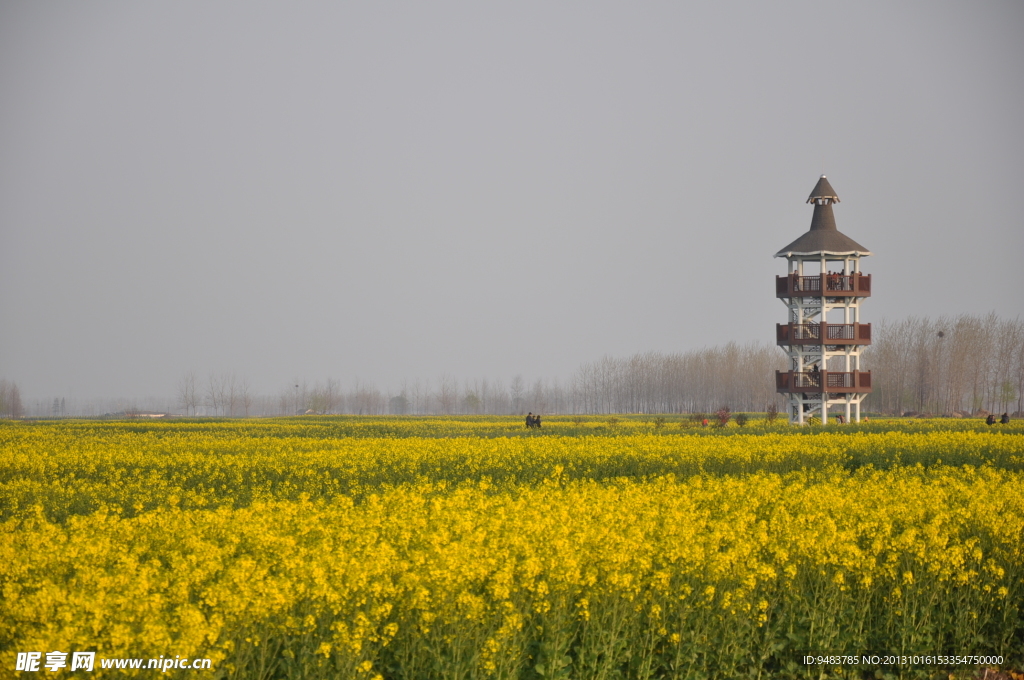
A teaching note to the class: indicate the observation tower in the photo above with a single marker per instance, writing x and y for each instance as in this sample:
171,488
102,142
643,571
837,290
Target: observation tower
823,290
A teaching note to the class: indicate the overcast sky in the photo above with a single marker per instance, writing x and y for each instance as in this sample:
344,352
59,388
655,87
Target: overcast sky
383,190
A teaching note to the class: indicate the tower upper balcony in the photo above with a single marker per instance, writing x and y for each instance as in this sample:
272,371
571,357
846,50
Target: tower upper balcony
828,285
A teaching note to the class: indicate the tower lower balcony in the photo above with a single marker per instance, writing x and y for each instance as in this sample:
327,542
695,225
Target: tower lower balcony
827,285
828,334
828,382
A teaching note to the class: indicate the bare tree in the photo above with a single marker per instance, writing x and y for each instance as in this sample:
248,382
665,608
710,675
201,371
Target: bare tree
232,396
499,398
245,396
516,391
285,402
325,397
447,394
471,401
10,400
421,397
332,395
1018,370
216,394
538,397
365,399
1009,337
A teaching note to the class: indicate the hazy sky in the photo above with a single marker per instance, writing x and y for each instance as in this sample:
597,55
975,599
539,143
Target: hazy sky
384,190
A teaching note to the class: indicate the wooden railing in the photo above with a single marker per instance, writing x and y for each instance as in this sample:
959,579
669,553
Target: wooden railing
830,285
834,333
840,331
823,381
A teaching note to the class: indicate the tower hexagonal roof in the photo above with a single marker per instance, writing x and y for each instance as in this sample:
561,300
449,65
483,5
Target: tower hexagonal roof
823,238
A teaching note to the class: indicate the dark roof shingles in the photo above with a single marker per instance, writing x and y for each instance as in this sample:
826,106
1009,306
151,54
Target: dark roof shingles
823,237
823,190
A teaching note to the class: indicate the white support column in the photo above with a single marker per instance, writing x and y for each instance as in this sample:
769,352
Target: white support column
823,363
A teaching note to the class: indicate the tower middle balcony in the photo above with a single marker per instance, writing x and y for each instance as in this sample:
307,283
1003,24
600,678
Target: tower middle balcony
828,285
789,334
826,382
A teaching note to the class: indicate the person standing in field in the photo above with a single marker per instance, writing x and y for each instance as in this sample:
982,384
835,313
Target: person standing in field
1005,420
529,420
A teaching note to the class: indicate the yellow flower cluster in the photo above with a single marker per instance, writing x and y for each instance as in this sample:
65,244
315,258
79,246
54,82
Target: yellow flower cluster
279,553
74,468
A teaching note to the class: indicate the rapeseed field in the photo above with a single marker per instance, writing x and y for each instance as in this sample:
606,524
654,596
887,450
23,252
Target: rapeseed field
419,548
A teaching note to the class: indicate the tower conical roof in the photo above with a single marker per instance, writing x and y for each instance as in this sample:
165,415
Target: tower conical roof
823,238
823,190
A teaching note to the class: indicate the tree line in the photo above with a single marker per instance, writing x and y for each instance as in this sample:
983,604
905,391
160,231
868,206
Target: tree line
947,365
943,366
740,376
